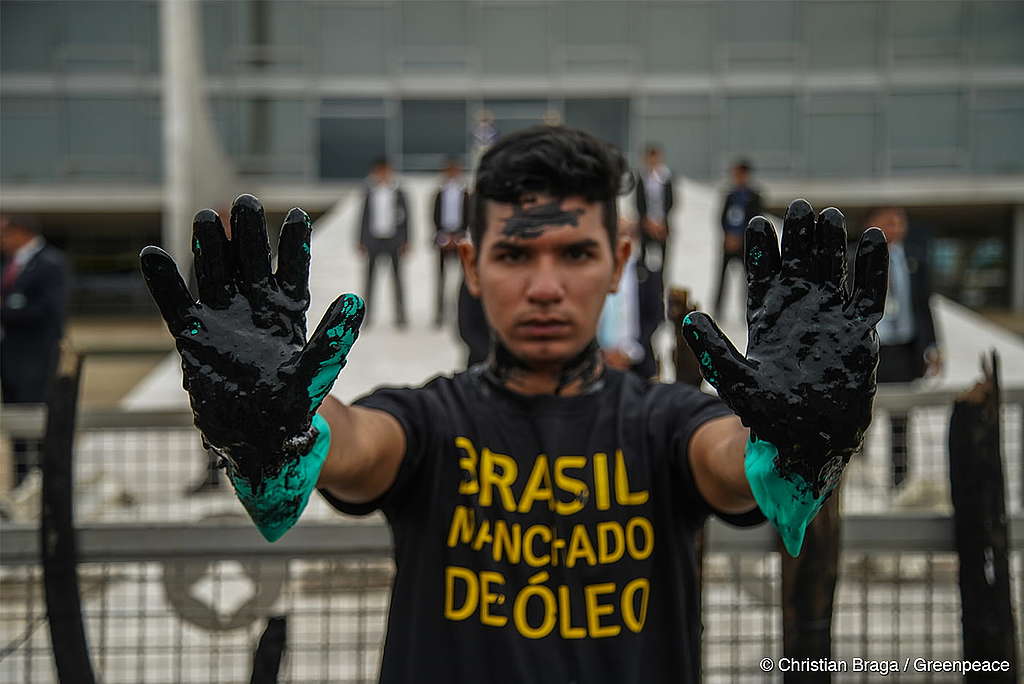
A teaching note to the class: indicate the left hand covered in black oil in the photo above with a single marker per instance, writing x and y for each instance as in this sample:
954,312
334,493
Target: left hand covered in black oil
807,382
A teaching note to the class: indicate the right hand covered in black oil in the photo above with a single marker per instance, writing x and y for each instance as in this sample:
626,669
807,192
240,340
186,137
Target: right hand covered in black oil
254,381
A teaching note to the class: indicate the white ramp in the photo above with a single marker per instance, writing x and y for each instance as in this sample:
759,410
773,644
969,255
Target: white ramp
384,355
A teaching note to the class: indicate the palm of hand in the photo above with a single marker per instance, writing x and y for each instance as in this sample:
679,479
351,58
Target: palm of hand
807,382
253,380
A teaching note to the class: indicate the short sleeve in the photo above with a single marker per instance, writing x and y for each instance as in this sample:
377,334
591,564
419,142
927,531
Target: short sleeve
692,408
416,410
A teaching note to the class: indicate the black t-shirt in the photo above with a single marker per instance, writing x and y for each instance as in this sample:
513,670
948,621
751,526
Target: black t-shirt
544,539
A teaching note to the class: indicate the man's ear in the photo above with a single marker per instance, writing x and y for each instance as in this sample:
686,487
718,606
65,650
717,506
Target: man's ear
468,257
623,248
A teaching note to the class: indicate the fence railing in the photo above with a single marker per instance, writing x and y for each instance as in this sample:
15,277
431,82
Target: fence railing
177,588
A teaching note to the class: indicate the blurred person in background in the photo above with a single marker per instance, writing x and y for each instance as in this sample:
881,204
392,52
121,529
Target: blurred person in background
654,201
630,316
741,204
451,221
908,347
485,134
384,233
34,291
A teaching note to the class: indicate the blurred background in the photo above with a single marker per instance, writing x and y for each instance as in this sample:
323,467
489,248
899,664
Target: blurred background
118,120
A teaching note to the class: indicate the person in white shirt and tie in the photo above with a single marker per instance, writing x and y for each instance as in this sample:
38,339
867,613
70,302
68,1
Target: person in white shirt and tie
908,348
451,212
384,233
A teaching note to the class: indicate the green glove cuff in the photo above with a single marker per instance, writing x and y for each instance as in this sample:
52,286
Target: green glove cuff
278,501
788,502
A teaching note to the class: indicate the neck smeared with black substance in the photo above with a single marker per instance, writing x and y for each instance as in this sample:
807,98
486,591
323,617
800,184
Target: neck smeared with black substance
504,368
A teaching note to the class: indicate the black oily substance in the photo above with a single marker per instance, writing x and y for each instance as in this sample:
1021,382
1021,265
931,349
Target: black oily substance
808,380
531,223
503,367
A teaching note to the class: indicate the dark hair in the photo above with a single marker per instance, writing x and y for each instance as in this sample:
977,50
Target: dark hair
743,165
379,162
555,160
651,148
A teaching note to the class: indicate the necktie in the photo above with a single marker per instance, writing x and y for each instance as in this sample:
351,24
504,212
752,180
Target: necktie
11,271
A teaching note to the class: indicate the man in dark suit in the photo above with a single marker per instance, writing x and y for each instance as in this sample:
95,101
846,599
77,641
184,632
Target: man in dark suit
654,201
908,348
451,221
384,233
741,204
34,292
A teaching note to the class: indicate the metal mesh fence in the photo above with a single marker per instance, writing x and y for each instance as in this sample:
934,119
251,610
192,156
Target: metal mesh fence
199,620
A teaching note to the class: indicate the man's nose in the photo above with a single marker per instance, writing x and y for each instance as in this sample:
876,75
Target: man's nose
546,285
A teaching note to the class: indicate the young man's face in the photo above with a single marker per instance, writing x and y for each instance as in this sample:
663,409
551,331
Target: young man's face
541,279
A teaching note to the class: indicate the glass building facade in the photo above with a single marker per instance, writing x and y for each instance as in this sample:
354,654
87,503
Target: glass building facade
307,92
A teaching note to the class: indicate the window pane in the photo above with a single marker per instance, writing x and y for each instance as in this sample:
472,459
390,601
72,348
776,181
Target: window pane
925,131
355,39
997,126
431,131
29,131
925,32
679,37
349,146
685,140
606,119
29,34
759,35
109,137
998,32
514,38
761,128
110,36
859,24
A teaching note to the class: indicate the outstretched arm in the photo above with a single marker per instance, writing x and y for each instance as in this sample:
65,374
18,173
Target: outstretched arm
717,451
362,465
254,380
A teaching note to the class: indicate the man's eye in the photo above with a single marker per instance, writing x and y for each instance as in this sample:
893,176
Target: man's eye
510,257
578,254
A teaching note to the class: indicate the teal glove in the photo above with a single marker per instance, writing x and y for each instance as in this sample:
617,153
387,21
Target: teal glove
254,381
275,503
788,502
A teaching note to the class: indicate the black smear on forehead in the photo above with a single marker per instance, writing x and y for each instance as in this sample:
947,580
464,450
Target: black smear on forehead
531,223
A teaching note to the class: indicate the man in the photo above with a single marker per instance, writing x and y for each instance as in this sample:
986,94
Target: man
906,334
34,291
451,220
742,203
655,199
543,506
384,232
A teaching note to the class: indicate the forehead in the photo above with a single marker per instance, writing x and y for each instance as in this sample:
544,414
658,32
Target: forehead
543,221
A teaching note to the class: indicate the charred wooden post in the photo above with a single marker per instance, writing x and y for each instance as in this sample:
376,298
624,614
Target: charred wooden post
57,540
267,661
808,592
979,520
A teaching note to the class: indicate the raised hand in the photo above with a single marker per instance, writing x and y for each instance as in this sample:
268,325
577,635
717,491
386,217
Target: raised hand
253,379
808,379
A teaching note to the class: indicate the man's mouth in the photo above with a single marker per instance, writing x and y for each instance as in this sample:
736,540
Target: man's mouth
543,327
